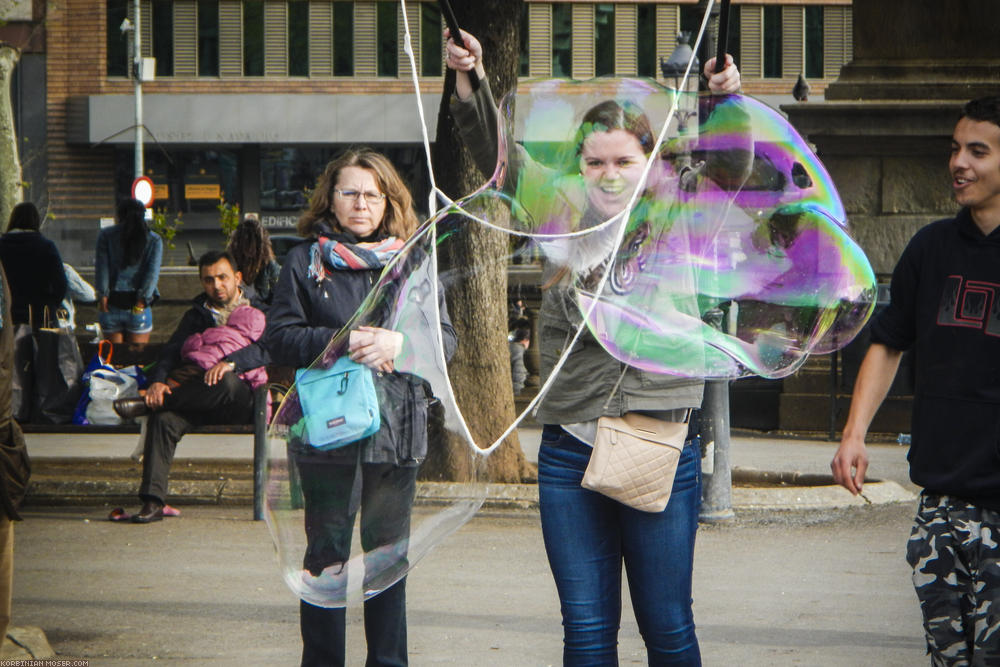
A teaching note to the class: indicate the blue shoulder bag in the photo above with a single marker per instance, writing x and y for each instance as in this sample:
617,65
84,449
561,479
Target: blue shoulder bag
339,404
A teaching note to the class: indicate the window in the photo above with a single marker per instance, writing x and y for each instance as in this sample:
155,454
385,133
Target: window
645,40
562,40
604,39
253,38
193,181
387,37
772,41
208,38
298,38
524,65
430,39
163,37
814,42
343,39
117,41
691,17
735,46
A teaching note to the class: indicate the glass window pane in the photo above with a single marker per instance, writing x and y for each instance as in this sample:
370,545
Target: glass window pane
525,61
691,24
562,40
430,39
735,43
772,41
646,40
814,42
208,38
117,41
343,39
604,39
298,38
387,39
253,38
163,37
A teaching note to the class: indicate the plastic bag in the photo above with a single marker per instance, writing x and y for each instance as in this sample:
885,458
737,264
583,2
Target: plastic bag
106,386
113,383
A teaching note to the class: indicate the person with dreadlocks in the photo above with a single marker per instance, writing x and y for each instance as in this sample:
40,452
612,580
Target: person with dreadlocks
250,245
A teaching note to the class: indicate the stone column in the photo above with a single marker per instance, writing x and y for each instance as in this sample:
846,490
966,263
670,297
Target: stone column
885,127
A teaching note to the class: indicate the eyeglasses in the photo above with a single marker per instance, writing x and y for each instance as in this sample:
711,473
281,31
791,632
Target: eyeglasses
371,198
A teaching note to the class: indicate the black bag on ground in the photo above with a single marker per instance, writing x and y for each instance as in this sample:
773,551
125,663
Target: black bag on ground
23,371
58,367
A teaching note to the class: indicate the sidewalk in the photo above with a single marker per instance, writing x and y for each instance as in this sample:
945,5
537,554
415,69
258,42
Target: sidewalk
768,472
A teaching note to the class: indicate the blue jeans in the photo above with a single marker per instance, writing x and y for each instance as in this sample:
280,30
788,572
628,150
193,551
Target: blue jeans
588,536
117,320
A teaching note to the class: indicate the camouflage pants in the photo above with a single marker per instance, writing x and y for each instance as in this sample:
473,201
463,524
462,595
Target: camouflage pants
954,549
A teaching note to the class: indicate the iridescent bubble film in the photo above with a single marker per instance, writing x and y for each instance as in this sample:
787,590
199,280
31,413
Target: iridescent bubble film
734,258
723,253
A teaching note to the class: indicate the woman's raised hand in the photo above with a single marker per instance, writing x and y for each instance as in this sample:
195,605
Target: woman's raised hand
726,81
464,60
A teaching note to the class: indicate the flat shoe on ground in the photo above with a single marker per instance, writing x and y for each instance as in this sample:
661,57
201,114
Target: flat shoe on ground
119,514
151,511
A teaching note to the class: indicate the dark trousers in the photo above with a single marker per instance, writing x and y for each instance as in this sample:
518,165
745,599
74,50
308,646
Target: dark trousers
324,631
229,401
333,493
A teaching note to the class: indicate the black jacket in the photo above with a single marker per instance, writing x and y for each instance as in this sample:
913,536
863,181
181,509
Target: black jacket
197,319
35,272
304,316
944,295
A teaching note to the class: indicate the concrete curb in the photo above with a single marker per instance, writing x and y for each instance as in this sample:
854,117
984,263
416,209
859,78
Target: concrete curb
228,482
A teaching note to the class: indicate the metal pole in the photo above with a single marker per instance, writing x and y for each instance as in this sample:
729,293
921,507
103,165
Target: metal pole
717,499
137,78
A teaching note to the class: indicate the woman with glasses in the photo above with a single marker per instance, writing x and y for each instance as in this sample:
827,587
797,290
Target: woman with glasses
359,218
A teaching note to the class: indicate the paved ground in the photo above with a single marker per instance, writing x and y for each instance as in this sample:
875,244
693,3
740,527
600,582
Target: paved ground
815,588
797,587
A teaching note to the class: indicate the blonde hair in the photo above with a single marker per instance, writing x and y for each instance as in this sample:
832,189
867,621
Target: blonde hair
399,219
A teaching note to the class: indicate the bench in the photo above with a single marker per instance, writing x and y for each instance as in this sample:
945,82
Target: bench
124,355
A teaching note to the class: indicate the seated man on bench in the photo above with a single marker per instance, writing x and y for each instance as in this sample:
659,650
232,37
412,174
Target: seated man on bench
178,400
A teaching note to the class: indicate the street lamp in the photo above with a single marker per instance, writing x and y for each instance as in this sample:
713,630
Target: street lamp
128,26
673,69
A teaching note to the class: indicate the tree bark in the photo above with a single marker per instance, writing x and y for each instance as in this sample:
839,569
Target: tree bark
480,370
11,191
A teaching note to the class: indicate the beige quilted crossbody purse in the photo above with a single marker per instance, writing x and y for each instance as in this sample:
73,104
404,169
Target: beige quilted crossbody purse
634,460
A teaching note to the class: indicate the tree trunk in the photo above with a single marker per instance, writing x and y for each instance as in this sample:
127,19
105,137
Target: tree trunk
11,191
480,370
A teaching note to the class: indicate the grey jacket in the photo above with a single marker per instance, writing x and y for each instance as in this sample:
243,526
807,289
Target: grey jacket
591,383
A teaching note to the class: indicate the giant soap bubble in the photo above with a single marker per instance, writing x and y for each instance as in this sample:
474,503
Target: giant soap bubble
721,252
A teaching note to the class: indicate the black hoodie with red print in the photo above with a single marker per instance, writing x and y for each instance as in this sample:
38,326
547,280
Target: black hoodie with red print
945,304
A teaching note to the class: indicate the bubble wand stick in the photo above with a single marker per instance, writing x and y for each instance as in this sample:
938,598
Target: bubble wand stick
722,41
456,35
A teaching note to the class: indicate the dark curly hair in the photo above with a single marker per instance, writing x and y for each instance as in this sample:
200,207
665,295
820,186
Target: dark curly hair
250,245
984,109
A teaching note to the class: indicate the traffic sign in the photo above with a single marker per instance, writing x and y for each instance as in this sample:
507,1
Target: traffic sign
142,189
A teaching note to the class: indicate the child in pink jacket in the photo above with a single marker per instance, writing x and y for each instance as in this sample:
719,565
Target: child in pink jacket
244,326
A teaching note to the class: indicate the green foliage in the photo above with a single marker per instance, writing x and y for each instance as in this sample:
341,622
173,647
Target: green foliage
229,217
166,230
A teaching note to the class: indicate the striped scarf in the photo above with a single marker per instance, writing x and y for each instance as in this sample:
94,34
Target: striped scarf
327,254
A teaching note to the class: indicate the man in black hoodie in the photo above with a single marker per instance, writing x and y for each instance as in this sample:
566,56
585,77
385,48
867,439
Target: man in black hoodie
945,304
220,398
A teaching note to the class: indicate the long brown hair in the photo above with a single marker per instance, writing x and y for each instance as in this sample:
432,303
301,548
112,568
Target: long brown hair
400,218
